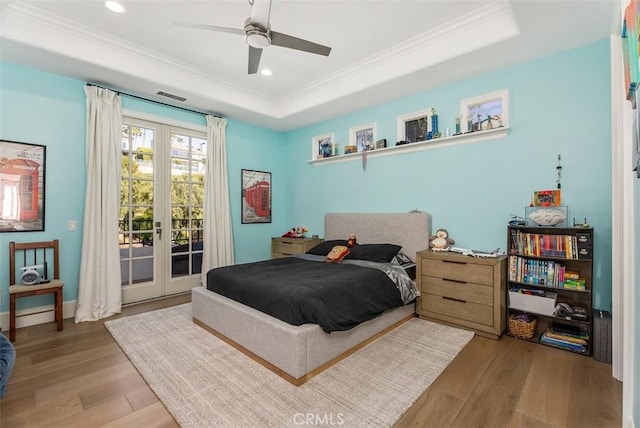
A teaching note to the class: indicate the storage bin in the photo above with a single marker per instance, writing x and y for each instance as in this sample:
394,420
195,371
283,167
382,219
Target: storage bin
533,304
521,327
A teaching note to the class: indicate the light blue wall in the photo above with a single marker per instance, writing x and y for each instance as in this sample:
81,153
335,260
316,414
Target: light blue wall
49,109
251,147
558,105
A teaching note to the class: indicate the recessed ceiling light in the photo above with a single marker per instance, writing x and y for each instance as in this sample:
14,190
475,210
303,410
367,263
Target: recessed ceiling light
114,6
266,72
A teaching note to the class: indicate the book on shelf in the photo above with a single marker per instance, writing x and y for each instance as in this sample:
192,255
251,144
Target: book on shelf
568,330
571,275
570,339
566,337
544,245
564,344
548,273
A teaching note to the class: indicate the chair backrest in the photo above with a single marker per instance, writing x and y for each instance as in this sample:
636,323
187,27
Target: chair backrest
33,253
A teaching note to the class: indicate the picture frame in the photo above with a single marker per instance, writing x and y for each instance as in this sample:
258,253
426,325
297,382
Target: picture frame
22,186
256,196
414,127
485,112
363,137
381,144
547,198
322,145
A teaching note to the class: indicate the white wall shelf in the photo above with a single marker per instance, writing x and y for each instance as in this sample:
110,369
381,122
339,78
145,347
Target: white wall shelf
436,143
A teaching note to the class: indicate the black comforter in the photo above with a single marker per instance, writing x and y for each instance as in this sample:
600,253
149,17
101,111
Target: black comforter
336,296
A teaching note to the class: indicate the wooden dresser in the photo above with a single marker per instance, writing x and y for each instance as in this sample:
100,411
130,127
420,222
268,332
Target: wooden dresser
462,291
285,247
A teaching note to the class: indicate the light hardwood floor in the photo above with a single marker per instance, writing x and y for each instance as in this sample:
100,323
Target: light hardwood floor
79,377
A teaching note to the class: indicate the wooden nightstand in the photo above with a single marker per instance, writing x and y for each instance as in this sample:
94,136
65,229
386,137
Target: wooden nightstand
462,291
285,247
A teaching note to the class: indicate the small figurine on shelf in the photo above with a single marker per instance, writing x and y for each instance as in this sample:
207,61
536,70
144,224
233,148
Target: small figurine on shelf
469,124
435,133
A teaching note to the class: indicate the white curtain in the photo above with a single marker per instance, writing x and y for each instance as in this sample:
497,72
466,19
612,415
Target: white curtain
217,249
99,289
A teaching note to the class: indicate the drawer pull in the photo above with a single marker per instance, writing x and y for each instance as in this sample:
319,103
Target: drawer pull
455,300
454,280
454,261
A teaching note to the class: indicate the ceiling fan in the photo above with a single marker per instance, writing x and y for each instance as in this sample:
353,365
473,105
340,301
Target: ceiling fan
258,35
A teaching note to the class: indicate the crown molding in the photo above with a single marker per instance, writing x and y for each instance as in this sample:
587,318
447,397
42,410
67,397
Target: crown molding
32,26
479,28
28,25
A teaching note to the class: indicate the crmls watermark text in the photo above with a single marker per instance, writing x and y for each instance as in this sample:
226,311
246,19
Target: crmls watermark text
318,419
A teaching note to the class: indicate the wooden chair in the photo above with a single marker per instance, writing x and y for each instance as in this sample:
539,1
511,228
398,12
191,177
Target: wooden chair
27,254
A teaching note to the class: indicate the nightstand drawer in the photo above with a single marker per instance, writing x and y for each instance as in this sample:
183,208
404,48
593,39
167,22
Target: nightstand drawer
457,308
476,293
458,270
287,248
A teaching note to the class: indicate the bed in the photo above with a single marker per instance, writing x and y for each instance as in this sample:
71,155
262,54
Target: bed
298,352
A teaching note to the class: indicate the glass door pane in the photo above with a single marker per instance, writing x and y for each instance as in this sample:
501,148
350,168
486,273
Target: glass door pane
187,194
137,236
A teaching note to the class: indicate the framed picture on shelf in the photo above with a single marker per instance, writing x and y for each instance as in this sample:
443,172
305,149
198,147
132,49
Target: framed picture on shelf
546,198
363,137
22,186
414,126
256,196
485,112
322,145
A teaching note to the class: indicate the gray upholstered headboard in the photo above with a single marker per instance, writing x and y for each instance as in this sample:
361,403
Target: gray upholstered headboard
411,230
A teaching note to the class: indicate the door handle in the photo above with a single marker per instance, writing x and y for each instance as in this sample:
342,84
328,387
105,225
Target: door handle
159,230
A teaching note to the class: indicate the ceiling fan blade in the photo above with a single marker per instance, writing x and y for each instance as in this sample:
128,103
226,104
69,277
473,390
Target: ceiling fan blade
286,41
261,12
210,27
254,59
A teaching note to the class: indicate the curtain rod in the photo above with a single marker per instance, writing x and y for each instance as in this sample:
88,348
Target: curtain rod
153,101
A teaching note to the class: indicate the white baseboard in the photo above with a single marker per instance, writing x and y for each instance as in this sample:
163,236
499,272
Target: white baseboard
68,311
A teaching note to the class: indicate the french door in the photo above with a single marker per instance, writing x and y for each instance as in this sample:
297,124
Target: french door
161,209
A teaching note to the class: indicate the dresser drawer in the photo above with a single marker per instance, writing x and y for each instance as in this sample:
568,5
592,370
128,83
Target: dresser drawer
287,248
468,291
435,305
458,270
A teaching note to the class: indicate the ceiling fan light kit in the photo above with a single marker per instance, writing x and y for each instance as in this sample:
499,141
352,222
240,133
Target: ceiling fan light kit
255,36
258,35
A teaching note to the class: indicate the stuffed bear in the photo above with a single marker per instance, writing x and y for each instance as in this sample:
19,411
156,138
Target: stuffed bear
440,241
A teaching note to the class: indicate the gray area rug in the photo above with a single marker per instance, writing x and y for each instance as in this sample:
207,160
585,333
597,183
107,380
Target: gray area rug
204,382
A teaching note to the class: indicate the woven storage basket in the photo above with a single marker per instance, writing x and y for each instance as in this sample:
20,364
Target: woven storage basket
522,329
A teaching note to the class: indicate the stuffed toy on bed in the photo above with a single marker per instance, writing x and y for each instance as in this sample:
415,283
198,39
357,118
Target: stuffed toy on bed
336,254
